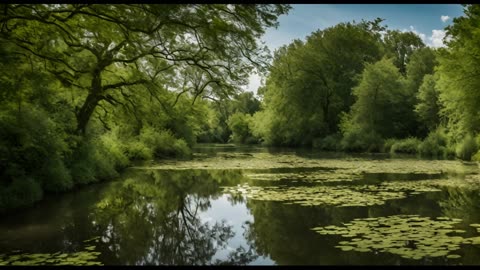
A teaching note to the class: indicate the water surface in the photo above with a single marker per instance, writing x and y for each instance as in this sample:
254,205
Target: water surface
259,206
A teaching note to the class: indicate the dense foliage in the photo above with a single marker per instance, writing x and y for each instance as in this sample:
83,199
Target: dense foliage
86,89
363,87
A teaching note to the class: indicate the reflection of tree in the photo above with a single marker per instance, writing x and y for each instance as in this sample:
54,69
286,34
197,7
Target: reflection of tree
425,204
154,218
236,198
461,203
284,233
240,256
58,224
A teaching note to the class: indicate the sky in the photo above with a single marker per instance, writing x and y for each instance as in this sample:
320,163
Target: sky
426,20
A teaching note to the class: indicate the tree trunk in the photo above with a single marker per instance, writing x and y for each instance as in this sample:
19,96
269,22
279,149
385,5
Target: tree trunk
326,115
86,112
88,107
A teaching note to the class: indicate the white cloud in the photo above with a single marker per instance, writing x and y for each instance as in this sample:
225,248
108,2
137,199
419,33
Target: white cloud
436,39
444,18
421,35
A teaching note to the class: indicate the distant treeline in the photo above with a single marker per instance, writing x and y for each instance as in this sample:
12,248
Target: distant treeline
362,87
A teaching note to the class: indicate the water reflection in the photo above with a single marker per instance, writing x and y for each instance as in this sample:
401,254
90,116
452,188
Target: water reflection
182,217
155,219
461,203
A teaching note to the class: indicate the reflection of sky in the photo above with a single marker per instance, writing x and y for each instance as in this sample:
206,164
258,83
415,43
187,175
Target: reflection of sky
235,215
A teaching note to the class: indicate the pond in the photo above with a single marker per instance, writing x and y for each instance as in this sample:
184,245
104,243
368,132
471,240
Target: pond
258,206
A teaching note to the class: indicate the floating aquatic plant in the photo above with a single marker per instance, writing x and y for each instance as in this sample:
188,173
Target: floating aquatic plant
315,195
89,257
409,236
338,195
310,176
262,160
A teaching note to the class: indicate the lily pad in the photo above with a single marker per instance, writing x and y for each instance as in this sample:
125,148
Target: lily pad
87,257
402,236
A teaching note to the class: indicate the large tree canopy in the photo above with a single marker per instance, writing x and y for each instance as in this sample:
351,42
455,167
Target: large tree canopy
381,95
85,89
310,83
98,51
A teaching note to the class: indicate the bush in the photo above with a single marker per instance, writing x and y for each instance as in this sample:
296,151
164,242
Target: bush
163,143
33,146
239,125
28,139
407,146
137,150
251,140
435,145
329,143
181,149
106,164
466,148
359,141
476,157
109,155
37,154
56,177
82,163
114,148
98,159
387,145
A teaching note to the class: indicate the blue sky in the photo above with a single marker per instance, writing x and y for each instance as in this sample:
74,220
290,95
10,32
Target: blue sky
427,20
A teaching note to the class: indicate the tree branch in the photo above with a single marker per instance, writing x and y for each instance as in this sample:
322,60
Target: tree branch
121,84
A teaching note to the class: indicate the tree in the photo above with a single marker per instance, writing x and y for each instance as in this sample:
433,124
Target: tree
309,83
99,51
422,62
379,109
86,88
428,107
400,46
281,98
246,103
459,76
239,125
333,57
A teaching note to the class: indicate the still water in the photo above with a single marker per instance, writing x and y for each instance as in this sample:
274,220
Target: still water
259,206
